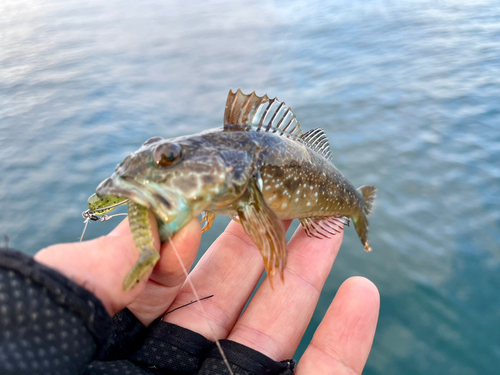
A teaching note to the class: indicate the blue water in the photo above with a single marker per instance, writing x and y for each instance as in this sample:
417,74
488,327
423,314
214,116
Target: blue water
408,92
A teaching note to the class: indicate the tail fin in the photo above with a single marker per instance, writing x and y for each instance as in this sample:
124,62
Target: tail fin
361,221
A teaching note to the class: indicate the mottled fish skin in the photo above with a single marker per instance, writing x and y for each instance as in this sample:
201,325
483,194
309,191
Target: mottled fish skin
259,168
300,183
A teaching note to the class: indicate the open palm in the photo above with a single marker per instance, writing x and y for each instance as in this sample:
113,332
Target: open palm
275,319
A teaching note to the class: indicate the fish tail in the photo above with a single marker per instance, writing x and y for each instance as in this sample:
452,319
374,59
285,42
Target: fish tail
361,220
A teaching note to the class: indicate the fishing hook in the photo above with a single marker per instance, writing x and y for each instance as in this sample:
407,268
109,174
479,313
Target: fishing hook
90,215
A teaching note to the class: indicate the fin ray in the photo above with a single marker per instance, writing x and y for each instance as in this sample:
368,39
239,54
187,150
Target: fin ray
265,229
361,221
208,218
317,140
259,113
324,227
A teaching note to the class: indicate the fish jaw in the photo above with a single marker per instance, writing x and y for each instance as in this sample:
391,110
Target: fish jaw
181,195
164,203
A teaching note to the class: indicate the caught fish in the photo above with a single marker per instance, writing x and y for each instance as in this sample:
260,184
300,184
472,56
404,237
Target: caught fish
259,168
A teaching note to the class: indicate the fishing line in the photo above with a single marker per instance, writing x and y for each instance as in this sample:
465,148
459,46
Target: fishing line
84,228
193,289
91,216
187,304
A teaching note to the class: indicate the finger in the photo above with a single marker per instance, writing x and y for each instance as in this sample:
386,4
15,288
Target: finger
229,270
100,265
168,275
344,338
275,320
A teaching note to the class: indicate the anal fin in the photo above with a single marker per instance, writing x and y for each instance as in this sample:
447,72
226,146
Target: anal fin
324,227
265,229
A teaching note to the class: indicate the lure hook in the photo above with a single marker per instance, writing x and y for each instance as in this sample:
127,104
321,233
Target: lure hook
90,215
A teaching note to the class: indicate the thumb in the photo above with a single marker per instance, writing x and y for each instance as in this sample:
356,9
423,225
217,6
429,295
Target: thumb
100,265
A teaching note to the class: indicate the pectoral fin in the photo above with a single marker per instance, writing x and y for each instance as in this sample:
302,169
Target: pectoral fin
265,229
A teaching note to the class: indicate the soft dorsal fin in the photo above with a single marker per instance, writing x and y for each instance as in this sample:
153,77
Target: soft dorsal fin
259,113
317,140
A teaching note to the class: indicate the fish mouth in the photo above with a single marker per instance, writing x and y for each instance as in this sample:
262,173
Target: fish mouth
146,196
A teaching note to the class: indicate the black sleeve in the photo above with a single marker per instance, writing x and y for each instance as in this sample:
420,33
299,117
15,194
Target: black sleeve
166,348
50,325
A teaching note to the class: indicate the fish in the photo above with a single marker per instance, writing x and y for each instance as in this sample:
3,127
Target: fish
259,168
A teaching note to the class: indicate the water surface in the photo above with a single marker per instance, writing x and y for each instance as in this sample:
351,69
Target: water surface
407,91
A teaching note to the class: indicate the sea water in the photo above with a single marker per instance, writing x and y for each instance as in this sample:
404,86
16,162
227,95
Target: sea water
408,92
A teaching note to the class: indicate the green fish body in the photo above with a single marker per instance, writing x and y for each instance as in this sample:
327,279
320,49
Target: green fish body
259,169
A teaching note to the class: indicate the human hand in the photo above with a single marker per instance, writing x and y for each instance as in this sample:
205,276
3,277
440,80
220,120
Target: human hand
274,320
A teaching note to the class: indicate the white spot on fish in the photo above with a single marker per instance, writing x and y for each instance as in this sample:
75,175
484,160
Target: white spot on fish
268,187
260,184
284,205
308,203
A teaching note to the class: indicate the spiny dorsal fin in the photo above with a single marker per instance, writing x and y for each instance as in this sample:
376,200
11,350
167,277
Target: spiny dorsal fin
259,113
317,140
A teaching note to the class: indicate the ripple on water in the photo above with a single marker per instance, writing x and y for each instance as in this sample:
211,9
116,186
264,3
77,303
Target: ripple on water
407,92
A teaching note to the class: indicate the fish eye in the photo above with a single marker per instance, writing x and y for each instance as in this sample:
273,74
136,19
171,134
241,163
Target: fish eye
152,140
167,154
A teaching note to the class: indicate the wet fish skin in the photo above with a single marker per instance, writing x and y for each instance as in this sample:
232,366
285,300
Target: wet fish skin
259,168
300,183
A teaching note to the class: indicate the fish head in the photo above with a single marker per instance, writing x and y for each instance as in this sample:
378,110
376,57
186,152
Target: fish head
174,178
